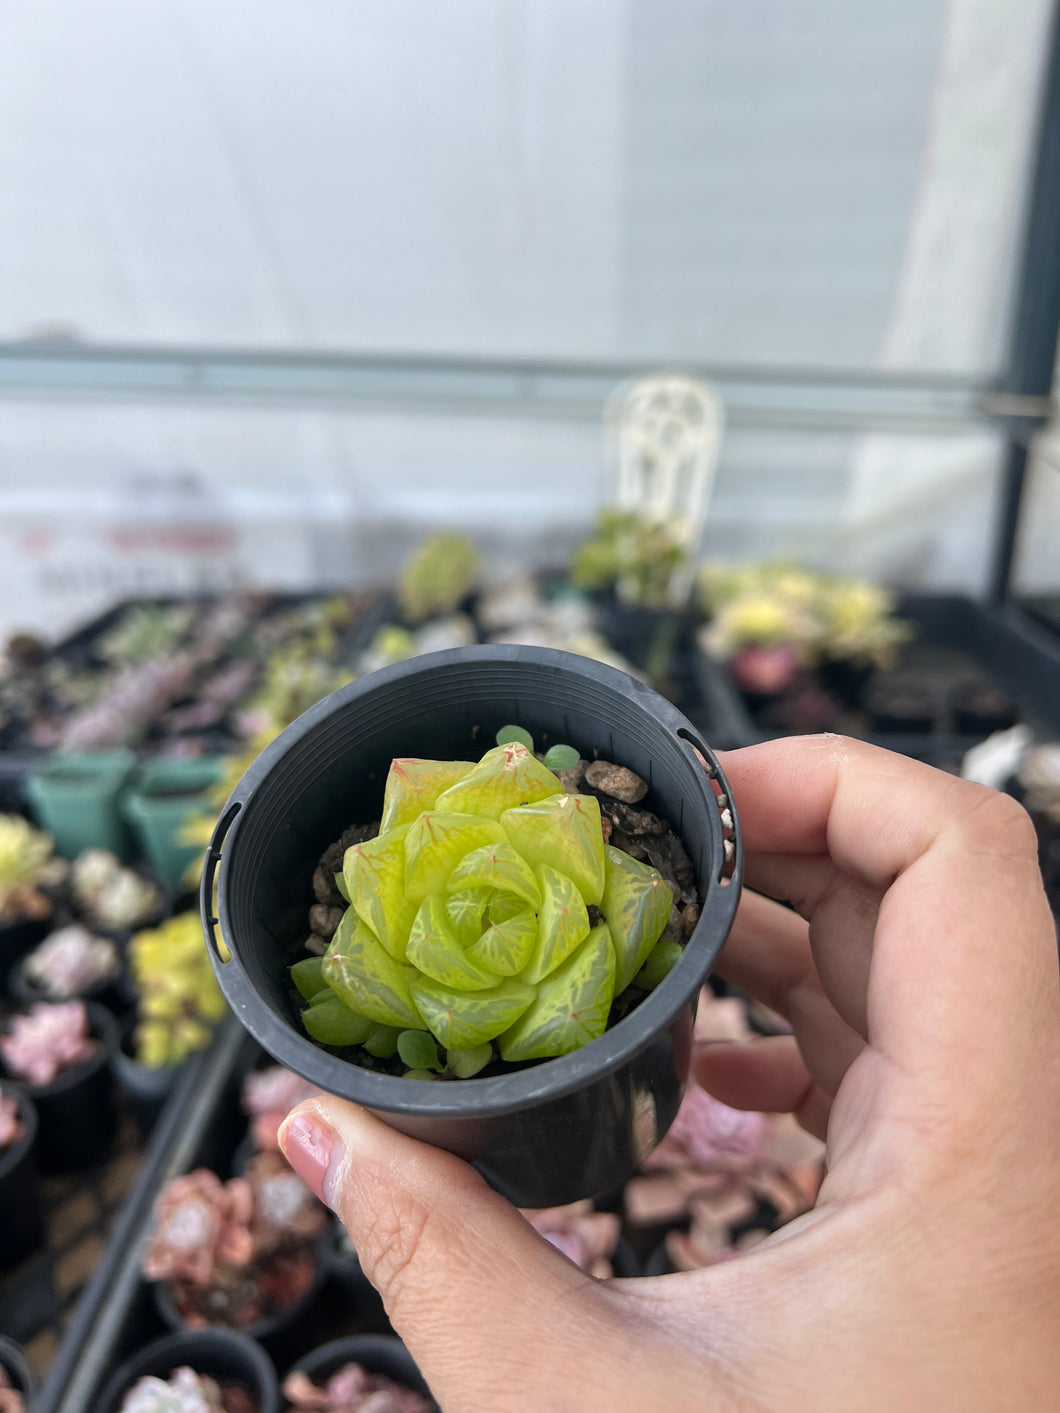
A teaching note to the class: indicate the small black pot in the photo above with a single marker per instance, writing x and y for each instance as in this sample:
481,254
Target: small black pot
552,1132
13,1360
274,1330
224,1355
18,938
379,1354
19,1189
146,1089
76,1111
846,679
346,1275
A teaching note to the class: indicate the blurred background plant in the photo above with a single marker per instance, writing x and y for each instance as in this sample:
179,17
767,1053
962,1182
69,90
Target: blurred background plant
28,867
179,999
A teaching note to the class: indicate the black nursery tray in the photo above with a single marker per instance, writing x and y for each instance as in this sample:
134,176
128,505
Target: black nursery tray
998,641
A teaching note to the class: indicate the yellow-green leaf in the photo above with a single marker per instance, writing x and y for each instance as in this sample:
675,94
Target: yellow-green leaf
507,947
503,906
497,866
637,905
360,971
435,951
413,786
437,842
332,1022
506,776
466,911
375,880
563,922
572,1004
460,1020
563,830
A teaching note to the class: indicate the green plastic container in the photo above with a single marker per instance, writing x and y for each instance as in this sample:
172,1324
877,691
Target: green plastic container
160,800
76,796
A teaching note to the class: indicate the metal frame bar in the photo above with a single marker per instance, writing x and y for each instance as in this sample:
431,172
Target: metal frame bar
1035,320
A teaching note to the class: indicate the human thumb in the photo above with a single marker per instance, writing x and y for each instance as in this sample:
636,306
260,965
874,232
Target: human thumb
477,1295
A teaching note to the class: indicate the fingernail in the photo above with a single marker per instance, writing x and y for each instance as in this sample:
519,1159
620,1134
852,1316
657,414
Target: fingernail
314,1150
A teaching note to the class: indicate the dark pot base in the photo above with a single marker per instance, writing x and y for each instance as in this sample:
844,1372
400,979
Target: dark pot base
379,1354
224,1355
19,1190
13,1360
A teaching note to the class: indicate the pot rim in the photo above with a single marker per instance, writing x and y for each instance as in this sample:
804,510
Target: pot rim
11,1157
544,1080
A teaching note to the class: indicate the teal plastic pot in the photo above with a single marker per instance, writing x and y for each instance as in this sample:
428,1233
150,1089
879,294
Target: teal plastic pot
76,796
158,804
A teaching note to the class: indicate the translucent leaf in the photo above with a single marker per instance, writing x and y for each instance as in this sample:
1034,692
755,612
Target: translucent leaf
437,842
466,912
419,1074
563,922
460,1020
515,733
340,884
375,879
637,906
564,831
561,758
503,906
663,958
413,786
505,776
497,866
418,1050
308,976
360,970
572,1004
465,1064
333,1023
435,951
382,1040
507,947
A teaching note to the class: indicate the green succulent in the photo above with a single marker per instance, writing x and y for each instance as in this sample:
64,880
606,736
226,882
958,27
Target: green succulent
27,863
469,924
145,632
637,556
180,1000
441,573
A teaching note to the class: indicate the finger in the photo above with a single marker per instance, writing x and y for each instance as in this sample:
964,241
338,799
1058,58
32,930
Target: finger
768,955
959,867
469,1285
767,1075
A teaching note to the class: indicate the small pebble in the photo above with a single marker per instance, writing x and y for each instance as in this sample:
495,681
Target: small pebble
674,929
633,847
605,825
324,920
324,889
571,779
316,945
632,821
618,781
689,918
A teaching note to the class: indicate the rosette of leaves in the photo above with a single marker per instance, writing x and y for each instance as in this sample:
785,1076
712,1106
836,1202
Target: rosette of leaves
441,573
469,923
637,556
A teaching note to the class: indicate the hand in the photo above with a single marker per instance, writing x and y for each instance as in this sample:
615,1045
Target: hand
919,974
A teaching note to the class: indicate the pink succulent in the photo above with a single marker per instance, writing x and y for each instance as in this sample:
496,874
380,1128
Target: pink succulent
269,1095
11,1126
283,1206
201,1225
708,1134
767,670
585,1237
351,1389
47,1042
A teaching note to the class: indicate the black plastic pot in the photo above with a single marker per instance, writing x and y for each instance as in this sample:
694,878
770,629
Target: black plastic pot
379,1354
76,1111
21,1230
552,1132
13,1360
147,1089
18,938
273,1331
224,1355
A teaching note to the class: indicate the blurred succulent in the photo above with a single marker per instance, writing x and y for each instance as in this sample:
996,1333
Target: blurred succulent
198,828
707,1133
47,1042
71,963
201,1229
351,1389
637,557
858,623
586,1237
184,1391
179,996
207,1232
27,865
395,644
269,1095
110,894
439,575
469,922
294,681
122,713
11,1126
144,632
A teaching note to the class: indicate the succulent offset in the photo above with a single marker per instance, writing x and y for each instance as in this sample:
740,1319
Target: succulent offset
469,922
